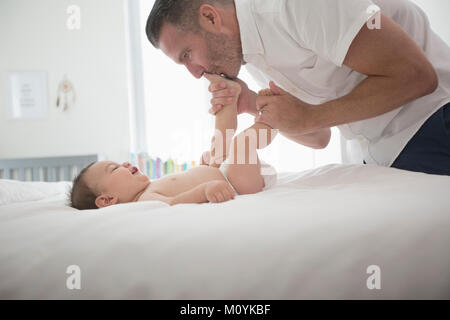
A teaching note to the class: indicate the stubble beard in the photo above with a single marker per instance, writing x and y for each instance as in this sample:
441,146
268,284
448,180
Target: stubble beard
224,54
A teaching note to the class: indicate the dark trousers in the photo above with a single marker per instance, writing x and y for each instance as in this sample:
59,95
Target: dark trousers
429,150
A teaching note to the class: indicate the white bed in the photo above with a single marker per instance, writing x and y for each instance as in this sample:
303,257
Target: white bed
312,236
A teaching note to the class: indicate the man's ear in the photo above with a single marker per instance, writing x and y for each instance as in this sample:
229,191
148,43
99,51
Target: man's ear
210,19
104,200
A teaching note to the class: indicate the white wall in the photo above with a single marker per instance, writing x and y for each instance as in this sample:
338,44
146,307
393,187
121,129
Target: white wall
34,37
438,12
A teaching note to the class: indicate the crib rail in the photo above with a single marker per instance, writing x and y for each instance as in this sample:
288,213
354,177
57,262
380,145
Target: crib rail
50,169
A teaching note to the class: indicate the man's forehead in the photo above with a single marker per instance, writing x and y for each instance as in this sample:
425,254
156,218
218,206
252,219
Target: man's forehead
168,39
172,41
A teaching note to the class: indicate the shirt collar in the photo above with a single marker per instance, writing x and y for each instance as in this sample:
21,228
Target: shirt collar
250,38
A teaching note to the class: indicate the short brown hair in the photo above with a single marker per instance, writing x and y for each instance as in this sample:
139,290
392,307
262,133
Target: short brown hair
82,197
183,14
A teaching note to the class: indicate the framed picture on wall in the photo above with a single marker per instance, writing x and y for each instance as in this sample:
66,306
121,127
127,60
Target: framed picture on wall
27,95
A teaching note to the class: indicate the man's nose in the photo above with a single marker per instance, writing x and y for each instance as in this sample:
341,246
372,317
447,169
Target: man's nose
196,71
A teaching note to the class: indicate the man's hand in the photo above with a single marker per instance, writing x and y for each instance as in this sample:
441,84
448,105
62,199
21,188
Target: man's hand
218,191
221,92
285,112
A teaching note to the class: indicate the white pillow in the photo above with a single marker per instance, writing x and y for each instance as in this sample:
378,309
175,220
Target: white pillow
12,191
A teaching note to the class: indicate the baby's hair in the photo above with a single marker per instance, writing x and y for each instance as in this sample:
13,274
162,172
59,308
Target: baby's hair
81,196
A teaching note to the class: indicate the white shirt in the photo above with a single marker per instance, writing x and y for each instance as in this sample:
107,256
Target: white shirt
301,46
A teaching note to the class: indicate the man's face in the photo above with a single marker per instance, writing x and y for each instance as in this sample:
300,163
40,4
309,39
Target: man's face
202,52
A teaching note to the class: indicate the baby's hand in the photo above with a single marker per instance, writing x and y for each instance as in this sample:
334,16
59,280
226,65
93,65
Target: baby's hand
205,158
218,191
226,92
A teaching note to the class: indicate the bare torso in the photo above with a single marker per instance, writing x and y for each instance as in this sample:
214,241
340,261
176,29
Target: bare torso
174,184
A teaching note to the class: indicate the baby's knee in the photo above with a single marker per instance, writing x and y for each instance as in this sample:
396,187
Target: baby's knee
245,180
247,188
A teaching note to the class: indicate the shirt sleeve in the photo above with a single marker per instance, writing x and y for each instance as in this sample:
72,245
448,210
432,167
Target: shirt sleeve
326,27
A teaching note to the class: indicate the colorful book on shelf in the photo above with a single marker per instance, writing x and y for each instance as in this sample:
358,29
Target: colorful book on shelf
157,168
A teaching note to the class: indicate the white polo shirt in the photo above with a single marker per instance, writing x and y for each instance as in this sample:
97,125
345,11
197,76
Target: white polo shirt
301,45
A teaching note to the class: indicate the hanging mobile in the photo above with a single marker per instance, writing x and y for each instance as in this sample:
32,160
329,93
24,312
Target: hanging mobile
66,95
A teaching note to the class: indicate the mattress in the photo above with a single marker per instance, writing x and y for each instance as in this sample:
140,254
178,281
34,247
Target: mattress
317,234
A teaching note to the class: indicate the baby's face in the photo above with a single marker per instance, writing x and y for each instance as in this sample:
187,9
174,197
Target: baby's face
119,183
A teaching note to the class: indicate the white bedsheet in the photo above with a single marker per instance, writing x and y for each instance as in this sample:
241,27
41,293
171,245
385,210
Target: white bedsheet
12,191
312,236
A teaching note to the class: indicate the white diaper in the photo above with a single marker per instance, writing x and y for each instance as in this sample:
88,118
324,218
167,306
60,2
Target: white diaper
268,173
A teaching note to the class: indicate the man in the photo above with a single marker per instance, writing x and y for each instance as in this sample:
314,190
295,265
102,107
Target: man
373,68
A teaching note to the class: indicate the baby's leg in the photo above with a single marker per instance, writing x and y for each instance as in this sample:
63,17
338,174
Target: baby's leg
243,168
226,125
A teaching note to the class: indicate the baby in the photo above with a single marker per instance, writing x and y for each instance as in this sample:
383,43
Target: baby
231,167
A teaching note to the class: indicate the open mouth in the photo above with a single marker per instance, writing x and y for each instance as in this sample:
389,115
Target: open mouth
134,170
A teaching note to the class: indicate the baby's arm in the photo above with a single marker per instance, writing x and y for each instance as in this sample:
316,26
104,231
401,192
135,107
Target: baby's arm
212,191
195,195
